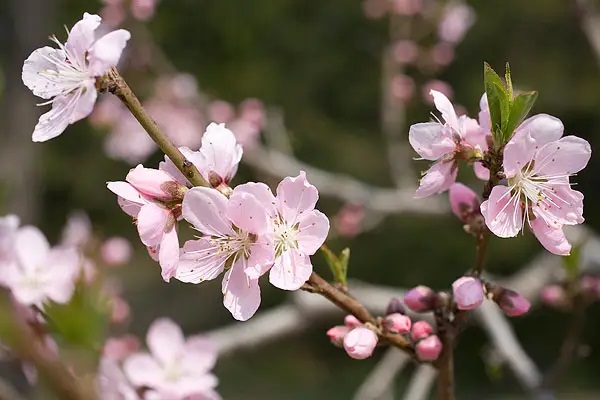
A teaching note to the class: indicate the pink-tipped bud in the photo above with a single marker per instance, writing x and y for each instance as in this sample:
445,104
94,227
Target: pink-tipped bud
420,330
464,202
337,334
554,296
395,307
420,299
512,303
360,342
351,321
397,323
429,349
150,181
468,293
115,251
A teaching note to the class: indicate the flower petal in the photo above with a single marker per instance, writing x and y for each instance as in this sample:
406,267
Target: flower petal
291,270
247,213
443,104
81,38
106,51
31,248
430,140
151,223
552,238
40,73
295,195
149,181
262,257
312,231
563,157
168,253
502,212
241,295
220,151
262,193
519,151
206,209
65,267
200,260
543,128
142,370
561,205
165,340
480,171
437,179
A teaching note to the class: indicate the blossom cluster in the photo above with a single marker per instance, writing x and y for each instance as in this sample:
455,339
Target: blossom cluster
245,232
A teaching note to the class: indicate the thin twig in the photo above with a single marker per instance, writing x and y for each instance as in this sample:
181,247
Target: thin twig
115,84
380,380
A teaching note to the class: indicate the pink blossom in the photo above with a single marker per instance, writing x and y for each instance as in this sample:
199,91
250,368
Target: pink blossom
468,293
512,303
464,202
349,219
538,164
429,349
234,238
397,323
220,155
116,251
38,273
337,334
443,143
153,197
457,19
297,229
351,321
175,367
419,299
119,348
67,75
554,295
77,232
420,330
360,342
111,383
8,230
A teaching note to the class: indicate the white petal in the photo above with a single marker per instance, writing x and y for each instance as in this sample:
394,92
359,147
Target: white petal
430,140
518,152
221,152
446,108
437,179
106,51
31,248
142,370
200,260
40,73
81,38
64,267
206,210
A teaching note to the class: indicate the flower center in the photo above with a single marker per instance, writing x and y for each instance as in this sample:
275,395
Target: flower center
285,237
235,246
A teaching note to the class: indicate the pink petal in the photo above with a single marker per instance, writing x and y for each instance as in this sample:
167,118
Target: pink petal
312,231
40,83
462,199
168,254
142,370
438,179
518,152
430,140
206,209
200,353
247,213
66,266
81,38
195,157
472,132
85,104
480,171
151,223
105,53
200,260
447,109
484,115
502,212
262,257
31,248
291,270
241,295
165,340
563,157
553,239
221,152
295,196
149,181
543,128
127,192
262,193
563,207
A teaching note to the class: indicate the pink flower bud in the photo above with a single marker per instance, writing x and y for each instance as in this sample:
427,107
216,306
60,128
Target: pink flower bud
337,334
395,307
397,323
351,321
463,201
360,342
429,349
554,295
512,303
468,293
115,251
420,330
149,181
419,299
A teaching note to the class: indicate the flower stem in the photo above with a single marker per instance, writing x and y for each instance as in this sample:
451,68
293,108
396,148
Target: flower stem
480,251
114,83
445,383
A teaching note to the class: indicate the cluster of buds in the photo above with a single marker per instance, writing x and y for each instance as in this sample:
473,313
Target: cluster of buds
358,339
561,295
469,293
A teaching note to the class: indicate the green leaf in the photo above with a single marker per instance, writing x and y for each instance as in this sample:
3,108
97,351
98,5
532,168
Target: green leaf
572,262
521,106
344,260
508,80
498,102
337,265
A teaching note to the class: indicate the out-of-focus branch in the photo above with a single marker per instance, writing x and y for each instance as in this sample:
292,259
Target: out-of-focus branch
421,383
589,16
343,187
8,392
380,381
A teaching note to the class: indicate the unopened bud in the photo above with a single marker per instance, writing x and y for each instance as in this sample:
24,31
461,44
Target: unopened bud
420,299
149,181
463,201
351,321
337,334
468,293
512,303
395,307
397,323
115,251
360,342
420,330
554,295
429,349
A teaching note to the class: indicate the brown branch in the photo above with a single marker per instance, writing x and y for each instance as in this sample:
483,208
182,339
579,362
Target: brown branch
114,83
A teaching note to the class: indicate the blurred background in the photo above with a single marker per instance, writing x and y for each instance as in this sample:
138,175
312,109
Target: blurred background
334,84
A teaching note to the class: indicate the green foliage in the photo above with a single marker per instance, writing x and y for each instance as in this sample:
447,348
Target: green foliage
507,111
572,262
337,264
